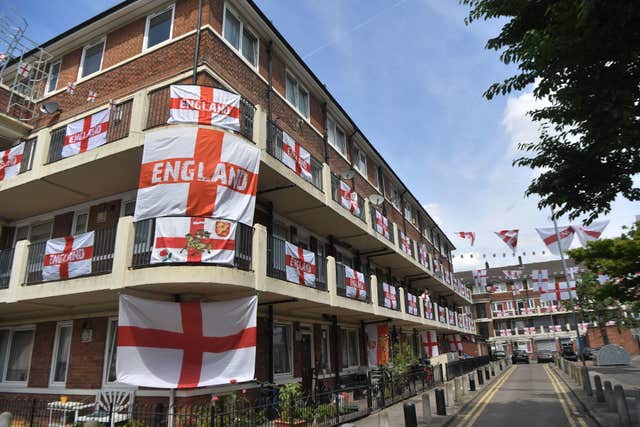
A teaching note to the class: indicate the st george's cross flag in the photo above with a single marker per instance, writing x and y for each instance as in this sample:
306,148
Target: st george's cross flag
295,157
549,237
355,285
455,342
377,345
512,274
539,279
390,298
68,257
428,308
194,239
186,345
480,277
470,235
558,291
86,134
429,343
10,161
204,106
423,256
529,330
509,237
349,199
194,171
405,243
591,232
300,265
442,314
412,304
382,225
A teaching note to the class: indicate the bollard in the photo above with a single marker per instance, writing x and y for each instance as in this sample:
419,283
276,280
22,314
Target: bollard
450,393
493,369
599,392
441,408
621,406
5,419
472,383
638,409
608,395
457,392
383,419
480,377
426,408
486,374
586,381
410,418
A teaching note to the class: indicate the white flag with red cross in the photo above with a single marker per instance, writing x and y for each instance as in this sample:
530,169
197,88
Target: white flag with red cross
86,134
505,332
558,291
591,232
300,265
349,199
382,225
509,237
204,106
429,343
442,314
455,342
405,243
24,69
194,239
469,235
539,279
200,172
512,274
390,297
549,237
377,345
356,287
555,328
68,257
428,308
10,161
583,326
187,344
480,278
529,330
296,157
412,304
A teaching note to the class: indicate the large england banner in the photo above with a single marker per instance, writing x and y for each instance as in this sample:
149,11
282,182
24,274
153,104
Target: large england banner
300,265
194,171
296,157
412,304
68,257
355,285
377,345
10,161
204,106
194,239
550,238
186,345
86,134
591,232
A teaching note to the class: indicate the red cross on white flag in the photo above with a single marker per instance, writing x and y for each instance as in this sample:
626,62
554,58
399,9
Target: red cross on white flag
296,157
470,235
527,310
429,343
455,342
68,257
204,106
555,328
194,239
356,287
412,304
591,232
442,314
529,330
389,293
583,326
405,243
191,171
505,332
377,345
512,274
382,224
349,199
539,279
92,95
86,134
186,345
25,69
300,265
428,308
549,237
480,277
71,88
558,291
10,161
509,237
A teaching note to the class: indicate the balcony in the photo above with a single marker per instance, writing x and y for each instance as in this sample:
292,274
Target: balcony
276,266
6,259
341,285
335,195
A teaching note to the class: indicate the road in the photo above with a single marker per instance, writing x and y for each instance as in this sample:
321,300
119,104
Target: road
525,396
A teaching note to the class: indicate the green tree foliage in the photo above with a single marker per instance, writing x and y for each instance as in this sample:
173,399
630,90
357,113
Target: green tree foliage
583,57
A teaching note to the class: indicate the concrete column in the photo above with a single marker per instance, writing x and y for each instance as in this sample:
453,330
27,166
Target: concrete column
402,300
449,387
367,214
426,408
332,282
139,111
621,406
122,251
18,269
374,291
457,389
41,153
260,133
608,395
259,257
326,183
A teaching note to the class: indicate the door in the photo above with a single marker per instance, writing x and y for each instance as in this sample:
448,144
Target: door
307,363
547,345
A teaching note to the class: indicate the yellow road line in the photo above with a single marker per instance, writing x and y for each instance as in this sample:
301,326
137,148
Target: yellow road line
565,400
564,389
471,417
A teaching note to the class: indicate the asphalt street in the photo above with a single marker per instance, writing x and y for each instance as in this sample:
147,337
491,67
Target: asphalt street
525,396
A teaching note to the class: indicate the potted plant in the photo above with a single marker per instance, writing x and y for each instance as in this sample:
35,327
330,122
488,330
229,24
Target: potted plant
291,413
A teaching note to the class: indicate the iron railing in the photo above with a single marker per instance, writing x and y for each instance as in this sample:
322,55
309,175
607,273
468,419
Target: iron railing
274,147
381,296
101,262
373,225
341,284
6,259
144,232
276,263
335,194
457,368
406,304
119,124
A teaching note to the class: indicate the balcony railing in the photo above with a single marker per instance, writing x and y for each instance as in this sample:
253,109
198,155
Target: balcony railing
335,194
6,258
373,225
101,262
407,306
143,245
119,124
381,302
341,284
276,263
159,101
274,147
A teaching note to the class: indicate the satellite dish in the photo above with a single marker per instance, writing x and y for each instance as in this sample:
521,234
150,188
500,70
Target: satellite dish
50,108
376,199
348,174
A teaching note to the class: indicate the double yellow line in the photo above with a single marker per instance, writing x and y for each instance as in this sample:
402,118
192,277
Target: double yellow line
565,401
472,416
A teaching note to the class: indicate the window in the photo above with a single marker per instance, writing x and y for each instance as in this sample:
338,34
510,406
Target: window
360,161
91,61
22,233
15,354
325,351
282,350
336,136
394,196
481,311
80,223
40,232
376,178
297,95
52,79
351,351
240,37
158,28
111,353
129,208
407,212
61,349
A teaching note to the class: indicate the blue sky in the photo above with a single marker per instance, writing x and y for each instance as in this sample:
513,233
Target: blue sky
411,74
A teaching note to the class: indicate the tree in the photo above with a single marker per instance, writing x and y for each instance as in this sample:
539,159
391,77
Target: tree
583,56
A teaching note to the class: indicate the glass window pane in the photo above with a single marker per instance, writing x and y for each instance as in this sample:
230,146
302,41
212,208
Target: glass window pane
341,141
92,59
4,347
19,356
325,350
159,28
81,223
232,29
54,72
331,132
291,89
40,232
353,348
303,102
61,361
249,47
113,349
281,351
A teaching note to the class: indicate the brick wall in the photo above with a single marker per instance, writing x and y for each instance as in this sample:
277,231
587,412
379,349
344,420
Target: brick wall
622,337
41,355
87,359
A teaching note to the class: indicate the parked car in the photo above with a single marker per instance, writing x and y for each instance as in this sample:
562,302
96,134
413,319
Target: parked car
544,356
568,353
519,356
499,354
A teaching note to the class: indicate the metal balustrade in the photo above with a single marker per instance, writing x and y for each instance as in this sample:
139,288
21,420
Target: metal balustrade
6,259
276,262
341,284
335,195
373,225
381,296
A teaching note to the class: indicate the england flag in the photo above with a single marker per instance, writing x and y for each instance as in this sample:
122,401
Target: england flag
390,299
300,265
68,257
591,232
382,225
10,161
204,106
86,134
296,157
349,199
550,238
356,287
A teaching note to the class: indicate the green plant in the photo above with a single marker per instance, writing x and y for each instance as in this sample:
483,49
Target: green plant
324,411
288,394
403,358
134,423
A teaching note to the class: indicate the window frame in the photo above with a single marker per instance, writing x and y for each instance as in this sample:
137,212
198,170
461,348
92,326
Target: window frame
75,221
299,86
243,27
145,39
54,355
105,364
88,46
357,153
375,178
3,369
58,62
332,126
347,331
291,367
325,330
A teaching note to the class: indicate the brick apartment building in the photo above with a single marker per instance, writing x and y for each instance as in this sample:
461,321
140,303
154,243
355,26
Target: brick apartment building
59,337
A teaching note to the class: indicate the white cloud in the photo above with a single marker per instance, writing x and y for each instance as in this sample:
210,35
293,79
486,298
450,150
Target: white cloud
516,121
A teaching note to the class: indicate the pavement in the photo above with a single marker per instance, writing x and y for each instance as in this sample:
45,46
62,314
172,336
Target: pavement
627,376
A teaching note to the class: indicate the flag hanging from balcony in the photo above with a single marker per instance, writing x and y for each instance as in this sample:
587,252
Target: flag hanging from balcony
356,287
512,274
480,278
193,171
349,199
186,345
382,224
549,237
509,237
204,106
68,257
442,315
429,343
10,161
377,345
539,279
390,298
194,239
86,134
412,304
296,157
455,342
428,308
529,330
300,265
558,291
469,235
405,243
590,233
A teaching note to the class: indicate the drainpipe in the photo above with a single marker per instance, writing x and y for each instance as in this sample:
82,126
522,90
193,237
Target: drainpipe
334,327
270,91
325,137
196,52
270,344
